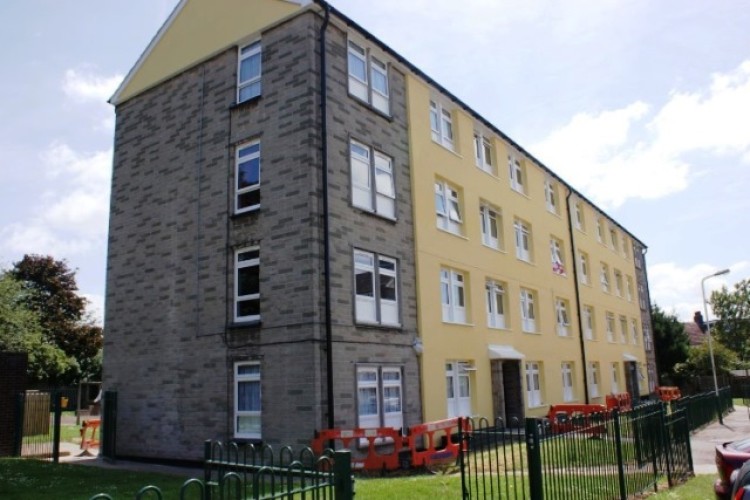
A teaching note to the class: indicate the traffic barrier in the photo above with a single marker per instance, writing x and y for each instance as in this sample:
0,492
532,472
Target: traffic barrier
90,434
668,393
371,449
569,417
433,442
620,401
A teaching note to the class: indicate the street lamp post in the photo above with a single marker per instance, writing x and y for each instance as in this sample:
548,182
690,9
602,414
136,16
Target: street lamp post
708,332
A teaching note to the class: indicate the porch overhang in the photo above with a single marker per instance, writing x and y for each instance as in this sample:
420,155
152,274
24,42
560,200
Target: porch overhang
504,352
629,357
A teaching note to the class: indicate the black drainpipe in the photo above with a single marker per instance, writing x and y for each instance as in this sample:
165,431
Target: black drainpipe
326,239
574,265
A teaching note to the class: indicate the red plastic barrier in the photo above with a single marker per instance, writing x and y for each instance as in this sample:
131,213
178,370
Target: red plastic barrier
89,437
431,442
569,417
668,393
372,449
620,401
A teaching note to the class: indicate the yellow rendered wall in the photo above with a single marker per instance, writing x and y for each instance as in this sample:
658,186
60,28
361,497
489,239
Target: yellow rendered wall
200,29
436,248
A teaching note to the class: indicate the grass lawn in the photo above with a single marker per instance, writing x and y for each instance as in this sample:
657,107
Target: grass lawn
698,488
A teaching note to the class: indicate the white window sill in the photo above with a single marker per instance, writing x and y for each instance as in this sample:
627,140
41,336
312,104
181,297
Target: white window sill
496,249
447,231
446,147
541,405
457,323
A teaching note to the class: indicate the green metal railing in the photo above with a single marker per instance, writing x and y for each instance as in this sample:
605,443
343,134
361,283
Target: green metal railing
704,408
37,432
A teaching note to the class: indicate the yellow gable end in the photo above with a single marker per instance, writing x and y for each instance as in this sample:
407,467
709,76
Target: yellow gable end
196,30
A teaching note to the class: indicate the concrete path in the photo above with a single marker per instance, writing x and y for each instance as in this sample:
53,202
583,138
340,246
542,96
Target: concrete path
703,443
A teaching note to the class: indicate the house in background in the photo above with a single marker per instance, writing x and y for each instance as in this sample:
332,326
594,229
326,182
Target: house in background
307,232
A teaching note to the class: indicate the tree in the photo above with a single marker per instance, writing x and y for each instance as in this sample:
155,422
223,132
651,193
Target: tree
670,343
51,291
21,331
699,361
732,308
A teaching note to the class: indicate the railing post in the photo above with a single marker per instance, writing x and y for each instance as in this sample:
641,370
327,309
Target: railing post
461,457
108,439
342,475
57,406
534,459
618,447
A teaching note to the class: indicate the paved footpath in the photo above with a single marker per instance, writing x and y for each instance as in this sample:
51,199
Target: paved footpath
703,443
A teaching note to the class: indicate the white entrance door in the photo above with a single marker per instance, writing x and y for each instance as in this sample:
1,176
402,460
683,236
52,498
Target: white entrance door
458,388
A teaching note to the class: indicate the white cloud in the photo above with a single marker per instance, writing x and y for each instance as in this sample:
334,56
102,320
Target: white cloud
87,86
95,307
632,153
678,290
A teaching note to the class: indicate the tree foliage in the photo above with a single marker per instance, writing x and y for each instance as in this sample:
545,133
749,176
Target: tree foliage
670,343
732,308
699,361
50,290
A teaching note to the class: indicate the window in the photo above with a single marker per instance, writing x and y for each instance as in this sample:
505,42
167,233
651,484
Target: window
625,245
567,381
533,384
485,159
517,178
578,216
618,283
372,90
550,196
247,284
247,403
594,377
615,379
633,331
604,277
610,327
441,123
448,208
563,323
249,71
557,254
379,397
588,322
528,313
523,240
376,288
599,230
629,288
452,296
458,389
366,165
613,238
647,344
642,296
583,264
489,218
623,330
495,304
247,173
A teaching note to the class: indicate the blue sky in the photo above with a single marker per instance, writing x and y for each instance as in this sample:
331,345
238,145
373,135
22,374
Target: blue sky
643,106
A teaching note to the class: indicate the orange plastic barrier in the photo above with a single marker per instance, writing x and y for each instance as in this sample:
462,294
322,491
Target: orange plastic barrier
668,393
569,417
620,401
89,434
381,450
432,442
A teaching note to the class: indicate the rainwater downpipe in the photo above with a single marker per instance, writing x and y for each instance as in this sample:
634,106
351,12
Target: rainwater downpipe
326,239
574,265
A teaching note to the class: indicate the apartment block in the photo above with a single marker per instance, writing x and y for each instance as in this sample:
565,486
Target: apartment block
308,232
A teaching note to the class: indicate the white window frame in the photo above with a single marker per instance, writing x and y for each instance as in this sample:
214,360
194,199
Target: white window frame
615,374
599,230
623,329
458,389
629,288
578,219
642,296
557,256
448,207
496,306
516,173
610,322
379,172
386,383
255,414
618,282
550,196
528,311
533,372
588,322
633,331
253,260
247,52
566,373
613,238
364,87
593,379
441,125
524,242
490,220
583,265
647,343
373,307
484,155
453,295
604,277
563,319
247,153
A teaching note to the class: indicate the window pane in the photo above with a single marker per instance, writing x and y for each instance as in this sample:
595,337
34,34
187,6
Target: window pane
249,199
250,91
248,173
391,399
248,370
248,280
379,77
463,386
387,287
357,66
250,68
364,283
368,401
248,396
249,307
384,177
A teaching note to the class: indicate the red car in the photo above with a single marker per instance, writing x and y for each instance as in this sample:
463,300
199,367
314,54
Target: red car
729,457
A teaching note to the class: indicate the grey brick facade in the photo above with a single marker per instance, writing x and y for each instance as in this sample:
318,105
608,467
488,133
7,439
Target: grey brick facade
170,343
